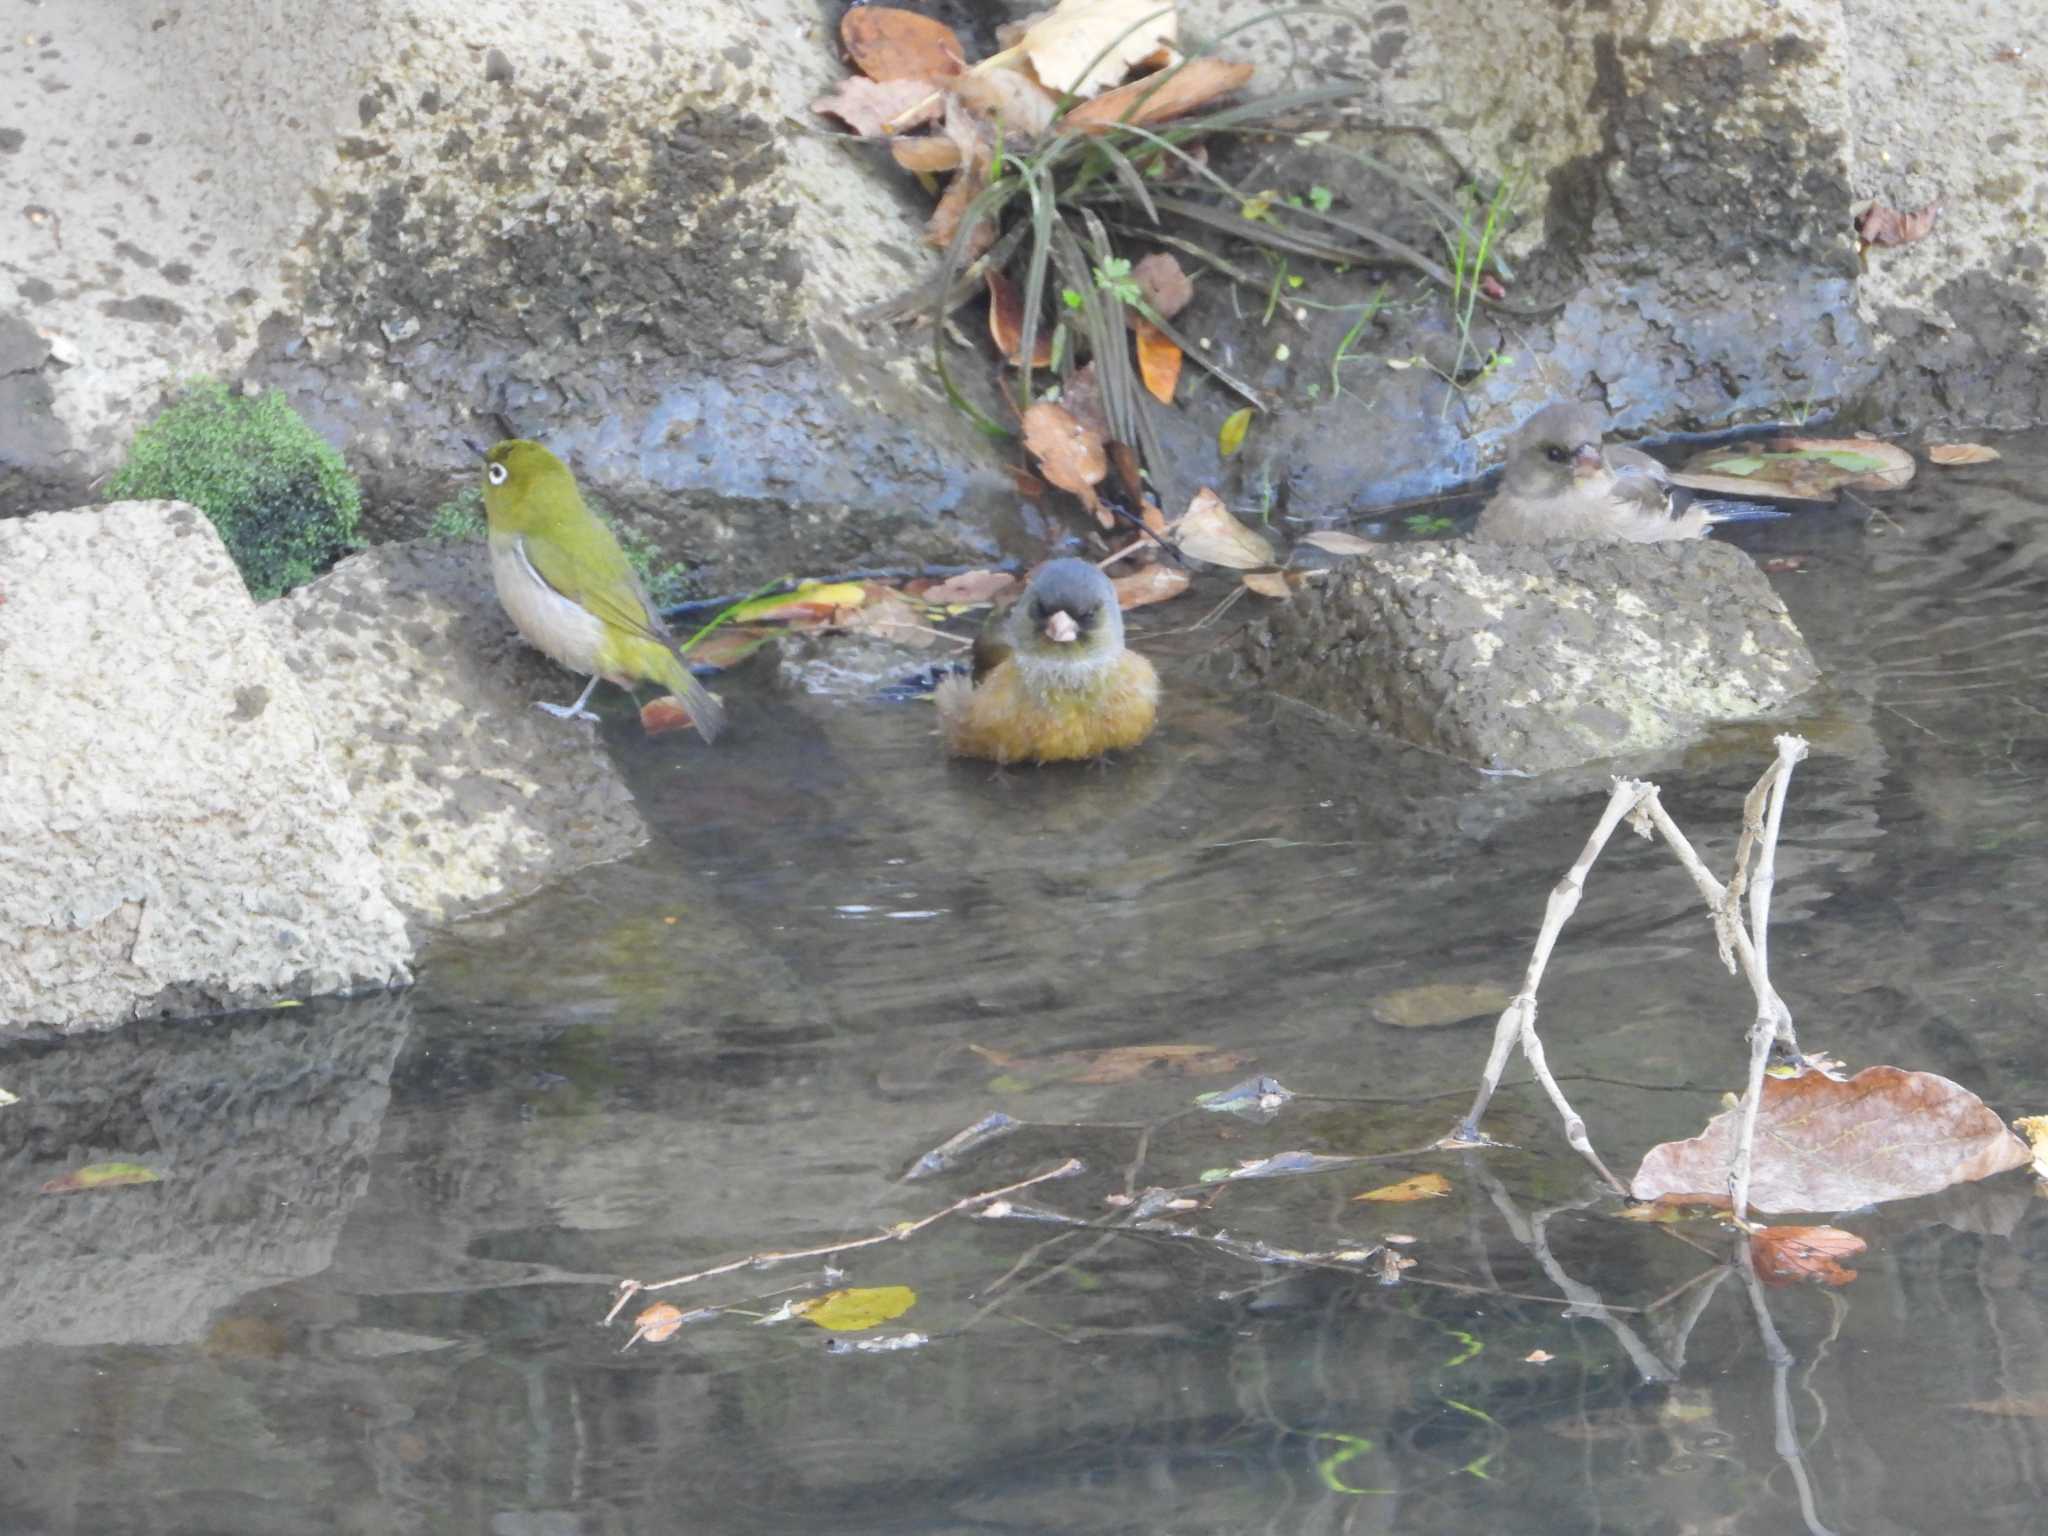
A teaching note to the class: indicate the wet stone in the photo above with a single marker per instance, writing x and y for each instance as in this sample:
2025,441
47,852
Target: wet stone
1532,659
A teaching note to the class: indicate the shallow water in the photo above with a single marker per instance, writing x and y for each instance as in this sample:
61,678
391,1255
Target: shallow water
365,1297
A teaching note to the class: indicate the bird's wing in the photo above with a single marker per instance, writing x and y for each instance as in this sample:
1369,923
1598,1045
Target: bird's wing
600,580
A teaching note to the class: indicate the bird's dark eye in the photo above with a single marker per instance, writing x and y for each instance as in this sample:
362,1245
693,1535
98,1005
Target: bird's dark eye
496,473
1557,453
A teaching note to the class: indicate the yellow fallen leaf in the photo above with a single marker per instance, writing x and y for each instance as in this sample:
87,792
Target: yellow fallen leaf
1208,532
1158,362
658,1322
101,1176
1424,1186
1268,584
852,1311
1230,436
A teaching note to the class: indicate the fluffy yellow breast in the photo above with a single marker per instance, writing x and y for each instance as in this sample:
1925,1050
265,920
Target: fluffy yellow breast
1013,717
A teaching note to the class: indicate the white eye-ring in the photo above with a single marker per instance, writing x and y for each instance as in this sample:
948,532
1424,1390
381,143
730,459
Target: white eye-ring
496,474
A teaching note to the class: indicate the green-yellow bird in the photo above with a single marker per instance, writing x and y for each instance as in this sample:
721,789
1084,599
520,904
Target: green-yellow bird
568,587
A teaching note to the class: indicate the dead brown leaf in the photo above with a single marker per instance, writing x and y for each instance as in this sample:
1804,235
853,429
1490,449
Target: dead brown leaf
1153,584
1273,584
1962,453
658,1322
1165,286
889,44
1082,47
1117,1063
668,713
1158,361
1207,532
1068,454
1082,396
926,155
864,105
888,615
1823,1145
1882,225
1424,1186
970,587
1784,1255
1334,542
1006,323
1155,100
944,224
1023,106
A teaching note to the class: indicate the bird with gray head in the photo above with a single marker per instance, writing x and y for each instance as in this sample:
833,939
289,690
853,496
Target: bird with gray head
1562,484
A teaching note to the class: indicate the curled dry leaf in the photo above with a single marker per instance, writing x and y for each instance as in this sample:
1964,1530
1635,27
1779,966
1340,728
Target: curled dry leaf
1962,453
1023,106
1424,1186
668,713
1158,361
1156,98
1273,584
864,105
1881,225
1068,454
889,44
1006,323
1165,286
926,155
1823,1145
1153,584
1787,1254
1082,47
1333,542
1208,532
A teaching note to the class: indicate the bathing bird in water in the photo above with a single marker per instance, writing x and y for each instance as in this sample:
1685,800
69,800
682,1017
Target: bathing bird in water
1561,483
1052,681
569,589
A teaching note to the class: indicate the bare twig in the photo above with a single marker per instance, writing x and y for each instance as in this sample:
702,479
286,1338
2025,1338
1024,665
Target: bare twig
628,1289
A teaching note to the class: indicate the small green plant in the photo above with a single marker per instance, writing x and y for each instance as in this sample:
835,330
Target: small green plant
1427,523
1343,354
281,497
1472,249
461,518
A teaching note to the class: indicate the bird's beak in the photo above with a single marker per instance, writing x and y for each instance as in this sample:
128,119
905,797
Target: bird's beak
1588,460
1061,628
475,447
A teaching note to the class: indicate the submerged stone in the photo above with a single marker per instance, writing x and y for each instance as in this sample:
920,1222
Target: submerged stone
1537,658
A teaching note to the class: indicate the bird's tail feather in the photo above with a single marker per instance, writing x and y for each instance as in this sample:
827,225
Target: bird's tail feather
1719,511
673,673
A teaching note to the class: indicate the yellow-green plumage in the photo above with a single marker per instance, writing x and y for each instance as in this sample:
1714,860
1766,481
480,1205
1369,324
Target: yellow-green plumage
1053,682
569,588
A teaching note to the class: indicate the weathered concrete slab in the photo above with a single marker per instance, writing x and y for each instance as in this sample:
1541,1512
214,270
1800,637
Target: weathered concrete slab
425,696
176,842
1536,658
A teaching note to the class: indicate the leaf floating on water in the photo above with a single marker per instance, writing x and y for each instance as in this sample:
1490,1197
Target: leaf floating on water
1668,1209
1279,1165
1336,542
1784,1255
1271,584
1438,1003
1256,1098
657,1323
668,713
856,1310
1538,1357
1150,584
1117,1063
1230,436
969,589
1424,1186
1801,468
1209,533
1158,361
1824,1145
889,44
101,1176
943,1157
1963,453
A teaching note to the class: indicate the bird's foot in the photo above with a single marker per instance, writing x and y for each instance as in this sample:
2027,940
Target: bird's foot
565,711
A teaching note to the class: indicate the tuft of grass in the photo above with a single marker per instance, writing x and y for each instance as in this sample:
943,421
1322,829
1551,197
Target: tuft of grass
460,518
283,501
1471,249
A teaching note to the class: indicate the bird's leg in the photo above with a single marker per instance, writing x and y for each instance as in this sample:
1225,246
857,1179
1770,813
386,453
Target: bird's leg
574,711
